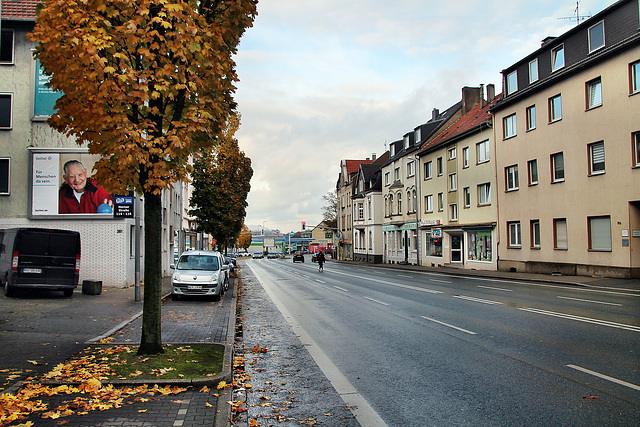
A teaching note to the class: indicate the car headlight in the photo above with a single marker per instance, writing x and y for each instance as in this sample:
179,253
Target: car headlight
176,277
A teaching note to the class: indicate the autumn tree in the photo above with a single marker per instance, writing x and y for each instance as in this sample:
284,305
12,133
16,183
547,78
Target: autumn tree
221,183
145,84
244,239
330,208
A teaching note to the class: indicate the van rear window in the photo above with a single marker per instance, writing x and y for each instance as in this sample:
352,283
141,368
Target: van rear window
47,243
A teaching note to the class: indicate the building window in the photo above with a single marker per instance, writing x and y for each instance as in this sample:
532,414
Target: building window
594,93
411,169
596,36
405,142
415,200
369,207
428,203
360,211
512,82
399,203
635,138
452,153
428,170
531,117
484,194
386,178
6,107
557,58
396,174
479,246
534,229
5,176
557,167
482,151
634,77
509,126
465,157
514,234
533,71
439,165
453,212
560,234
390,204
596,158
599,233
453,182
467,197
433,245
440,202
555,108
532,169
511,178
409,202
6,46
418,134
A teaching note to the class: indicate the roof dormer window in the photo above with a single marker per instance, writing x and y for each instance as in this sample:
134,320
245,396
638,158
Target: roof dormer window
557,58
596,36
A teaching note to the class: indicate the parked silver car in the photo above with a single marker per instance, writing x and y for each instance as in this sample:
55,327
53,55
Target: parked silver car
200,273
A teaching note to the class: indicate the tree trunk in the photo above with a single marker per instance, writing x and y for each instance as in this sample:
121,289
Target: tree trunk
151,341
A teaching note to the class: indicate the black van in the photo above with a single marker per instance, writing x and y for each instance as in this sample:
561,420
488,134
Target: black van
39,258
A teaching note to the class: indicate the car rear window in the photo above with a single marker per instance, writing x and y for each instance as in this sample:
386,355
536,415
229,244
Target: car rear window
47,243
198,262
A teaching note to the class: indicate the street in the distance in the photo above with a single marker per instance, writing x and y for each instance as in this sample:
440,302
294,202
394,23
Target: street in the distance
422,348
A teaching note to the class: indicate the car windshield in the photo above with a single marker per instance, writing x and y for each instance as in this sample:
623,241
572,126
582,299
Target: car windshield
197,262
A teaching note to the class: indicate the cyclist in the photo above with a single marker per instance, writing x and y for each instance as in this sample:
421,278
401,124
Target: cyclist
320,259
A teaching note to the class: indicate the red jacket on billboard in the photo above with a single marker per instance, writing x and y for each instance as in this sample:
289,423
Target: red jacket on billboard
92,197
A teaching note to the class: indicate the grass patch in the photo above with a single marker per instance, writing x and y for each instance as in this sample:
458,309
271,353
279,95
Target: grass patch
179,361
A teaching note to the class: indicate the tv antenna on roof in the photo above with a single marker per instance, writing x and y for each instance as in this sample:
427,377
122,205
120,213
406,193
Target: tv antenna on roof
578,17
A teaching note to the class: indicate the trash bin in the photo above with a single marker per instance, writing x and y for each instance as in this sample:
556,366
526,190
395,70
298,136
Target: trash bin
91,287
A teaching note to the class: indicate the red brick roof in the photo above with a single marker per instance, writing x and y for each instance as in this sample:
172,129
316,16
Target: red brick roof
20,9
472,119
354,165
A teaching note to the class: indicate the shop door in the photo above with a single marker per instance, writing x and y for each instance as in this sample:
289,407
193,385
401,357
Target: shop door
456,248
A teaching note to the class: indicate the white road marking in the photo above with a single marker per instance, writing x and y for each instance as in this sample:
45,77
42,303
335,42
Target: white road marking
450,326
405,275
384,282
342,289
583,319
590,300
603,376
375,300
497,289
480,300
440,281
318,280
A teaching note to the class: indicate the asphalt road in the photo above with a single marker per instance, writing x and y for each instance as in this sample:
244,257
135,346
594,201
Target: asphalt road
411,348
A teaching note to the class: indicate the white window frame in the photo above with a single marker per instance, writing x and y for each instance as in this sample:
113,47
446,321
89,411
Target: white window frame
386,178
560,234
532,172
531,117
511,174
439,167
514,235
555,167
533,75
399,197
483,151
453,182
396,174
440,202
466,191
465,157
7,191
593,47
634,77
411,170
599,232
594,93
360,211
555,109
635,140
428,170
557,58
453,212
484,194
596,158
8,96
452,153
534,230
428,203
511,80
509,126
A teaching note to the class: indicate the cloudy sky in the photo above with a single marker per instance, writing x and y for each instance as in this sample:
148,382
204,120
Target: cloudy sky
325,80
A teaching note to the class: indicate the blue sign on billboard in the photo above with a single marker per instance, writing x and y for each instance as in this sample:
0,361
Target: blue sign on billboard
45,98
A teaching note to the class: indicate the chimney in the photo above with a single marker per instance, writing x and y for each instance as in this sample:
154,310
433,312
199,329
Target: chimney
482,94
434,114
491,92
470,98
373,157
547,40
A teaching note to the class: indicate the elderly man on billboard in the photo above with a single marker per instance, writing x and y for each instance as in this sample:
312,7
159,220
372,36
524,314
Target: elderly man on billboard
80,194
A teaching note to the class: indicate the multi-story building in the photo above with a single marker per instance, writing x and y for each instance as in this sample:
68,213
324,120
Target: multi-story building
458,211
401,182
32,165
348,170
368,211
567,136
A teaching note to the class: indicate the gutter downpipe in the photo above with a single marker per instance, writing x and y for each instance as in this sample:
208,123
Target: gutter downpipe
417,206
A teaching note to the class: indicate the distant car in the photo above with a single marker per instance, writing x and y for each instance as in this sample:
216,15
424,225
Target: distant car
229,261
298,256
200,273
314,257
273,255
257,255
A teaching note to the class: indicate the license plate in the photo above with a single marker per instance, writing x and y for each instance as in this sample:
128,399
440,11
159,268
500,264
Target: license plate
32,270
194,287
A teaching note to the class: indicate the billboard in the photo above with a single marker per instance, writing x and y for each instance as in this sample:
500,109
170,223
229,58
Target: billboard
61,185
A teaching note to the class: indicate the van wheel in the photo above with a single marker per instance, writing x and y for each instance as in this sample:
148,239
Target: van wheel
8,290
67,292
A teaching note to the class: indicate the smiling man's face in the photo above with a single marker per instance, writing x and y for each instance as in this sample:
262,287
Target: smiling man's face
76,177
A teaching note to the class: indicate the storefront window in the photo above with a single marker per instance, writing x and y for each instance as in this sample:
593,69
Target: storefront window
479,245
434,246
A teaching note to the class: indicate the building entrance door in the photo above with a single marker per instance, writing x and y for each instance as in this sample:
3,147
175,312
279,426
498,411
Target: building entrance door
456,248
